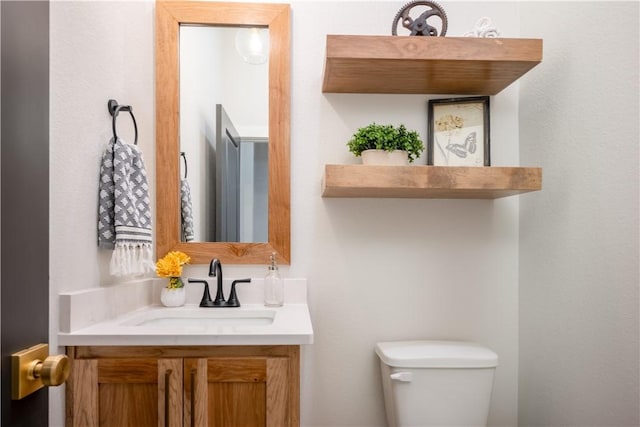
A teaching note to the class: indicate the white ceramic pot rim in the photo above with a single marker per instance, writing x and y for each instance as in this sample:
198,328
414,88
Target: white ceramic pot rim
383,157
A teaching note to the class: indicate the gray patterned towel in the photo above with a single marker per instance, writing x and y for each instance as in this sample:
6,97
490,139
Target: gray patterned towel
124,210
186,211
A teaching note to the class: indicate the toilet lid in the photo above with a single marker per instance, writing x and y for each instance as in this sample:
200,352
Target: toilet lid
436,354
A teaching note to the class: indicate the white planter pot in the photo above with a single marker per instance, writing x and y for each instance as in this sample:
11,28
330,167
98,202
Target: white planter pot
173,297
385,158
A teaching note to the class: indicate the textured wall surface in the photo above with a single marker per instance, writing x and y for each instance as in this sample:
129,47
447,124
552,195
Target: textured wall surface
393,269
579,236
98,51
378,269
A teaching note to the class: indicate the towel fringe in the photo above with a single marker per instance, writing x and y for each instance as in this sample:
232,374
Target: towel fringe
186,211
131,259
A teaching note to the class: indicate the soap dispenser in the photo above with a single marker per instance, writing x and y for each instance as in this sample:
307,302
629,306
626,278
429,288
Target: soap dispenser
273,285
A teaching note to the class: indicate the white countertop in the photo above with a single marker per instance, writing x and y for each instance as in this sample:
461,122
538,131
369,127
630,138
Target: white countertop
291,325
130,314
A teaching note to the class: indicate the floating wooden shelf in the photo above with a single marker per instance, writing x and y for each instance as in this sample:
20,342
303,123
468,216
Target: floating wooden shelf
426,65
436,182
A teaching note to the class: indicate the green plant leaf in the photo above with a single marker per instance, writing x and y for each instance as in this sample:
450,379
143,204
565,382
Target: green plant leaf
386,137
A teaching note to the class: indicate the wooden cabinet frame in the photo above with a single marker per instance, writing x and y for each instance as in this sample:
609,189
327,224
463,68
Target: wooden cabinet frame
106,379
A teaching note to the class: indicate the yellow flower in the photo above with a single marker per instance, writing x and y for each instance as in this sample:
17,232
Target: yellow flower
171,264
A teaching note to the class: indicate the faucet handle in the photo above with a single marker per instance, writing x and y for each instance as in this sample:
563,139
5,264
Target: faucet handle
206,296
233,298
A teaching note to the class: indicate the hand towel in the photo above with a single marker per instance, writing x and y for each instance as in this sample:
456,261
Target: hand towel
124,210
186,211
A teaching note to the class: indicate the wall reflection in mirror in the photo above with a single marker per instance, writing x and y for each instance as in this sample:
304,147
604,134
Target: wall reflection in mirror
224,117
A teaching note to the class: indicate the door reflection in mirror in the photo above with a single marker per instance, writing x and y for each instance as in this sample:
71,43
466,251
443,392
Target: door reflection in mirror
254,182
224,116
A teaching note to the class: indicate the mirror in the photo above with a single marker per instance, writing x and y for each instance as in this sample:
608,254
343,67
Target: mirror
224,133
170,17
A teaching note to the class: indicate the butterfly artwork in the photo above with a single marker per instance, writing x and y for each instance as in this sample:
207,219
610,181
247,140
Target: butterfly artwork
461,150
459,132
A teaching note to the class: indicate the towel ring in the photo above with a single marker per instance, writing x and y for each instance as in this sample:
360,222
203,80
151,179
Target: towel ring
114,109
184,157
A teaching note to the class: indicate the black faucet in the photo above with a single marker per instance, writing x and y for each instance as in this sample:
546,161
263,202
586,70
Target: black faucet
215,270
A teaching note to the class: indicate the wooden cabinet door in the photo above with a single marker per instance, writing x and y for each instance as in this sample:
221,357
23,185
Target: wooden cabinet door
133,392
237,392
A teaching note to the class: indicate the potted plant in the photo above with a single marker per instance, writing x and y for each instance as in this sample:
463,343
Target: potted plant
170,266
386,144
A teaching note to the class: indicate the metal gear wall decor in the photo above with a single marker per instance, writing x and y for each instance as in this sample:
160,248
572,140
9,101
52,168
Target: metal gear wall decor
419,26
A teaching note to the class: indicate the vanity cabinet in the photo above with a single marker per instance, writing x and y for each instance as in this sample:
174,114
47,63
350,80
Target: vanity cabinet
427,65
183,386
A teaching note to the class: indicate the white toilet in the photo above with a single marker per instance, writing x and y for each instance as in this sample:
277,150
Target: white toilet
436,383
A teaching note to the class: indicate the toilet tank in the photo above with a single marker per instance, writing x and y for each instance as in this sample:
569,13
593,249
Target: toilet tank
436,383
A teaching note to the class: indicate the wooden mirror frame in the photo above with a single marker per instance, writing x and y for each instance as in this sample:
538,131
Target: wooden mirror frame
169,16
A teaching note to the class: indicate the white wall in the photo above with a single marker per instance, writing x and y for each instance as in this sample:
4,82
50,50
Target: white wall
378,269
579,237
392,269
98,51
198,117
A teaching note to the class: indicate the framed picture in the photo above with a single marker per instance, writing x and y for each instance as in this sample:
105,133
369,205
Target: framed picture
458,133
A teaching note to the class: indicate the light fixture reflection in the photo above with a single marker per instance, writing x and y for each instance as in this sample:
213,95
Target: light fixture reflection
253,44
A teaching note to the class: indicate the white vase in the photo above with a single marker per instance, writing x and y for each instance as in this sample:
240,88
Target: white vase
173,297
385,158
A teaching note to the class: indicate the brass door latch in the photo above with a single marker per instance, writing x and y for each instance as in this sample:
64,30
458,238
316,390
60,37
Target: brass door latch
33,368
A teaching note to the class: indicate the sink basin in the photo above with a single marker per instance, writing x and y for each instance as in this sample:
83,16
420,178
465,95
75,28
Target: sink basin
200,317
